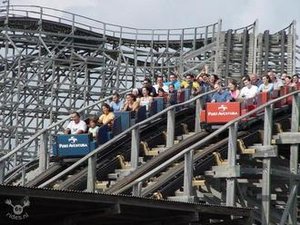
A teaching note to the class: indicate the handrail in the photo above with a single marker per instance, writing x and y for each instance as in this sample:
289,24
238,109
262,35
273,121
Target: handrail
21,167
39,133
90,23
248,27
85,17
203,141
97,150
286,28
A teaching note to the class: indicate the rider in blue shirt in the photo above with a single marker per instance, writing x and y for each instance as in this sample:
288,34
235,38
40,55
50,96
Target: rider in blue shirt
173,81
116,104
220,95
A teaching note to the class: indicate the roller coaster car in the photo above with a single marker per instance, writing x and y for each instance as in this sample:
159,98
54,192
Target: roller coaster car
75,146
78,145
219,113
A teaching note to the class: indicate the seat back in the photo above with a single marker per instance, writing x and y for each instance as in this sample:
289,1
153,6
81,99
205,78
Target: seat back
141,114
125,118
102,135
153,108
117,126
159,103
187,93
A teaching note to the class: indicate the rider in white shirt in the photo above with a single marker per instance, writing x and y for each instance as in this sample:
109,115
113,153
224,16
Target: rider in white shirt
76,125
249,90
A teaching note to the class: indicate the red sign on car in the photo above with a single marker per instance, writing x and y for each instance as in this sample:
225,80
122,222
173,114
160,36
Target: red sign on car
222,112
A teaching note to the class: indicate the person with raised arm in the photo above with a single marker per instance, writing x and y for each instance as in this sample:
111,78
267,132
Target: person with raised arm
192,84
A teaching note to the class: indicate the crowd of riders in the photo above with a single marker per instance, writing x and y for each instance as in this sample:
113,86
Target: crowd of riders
170,88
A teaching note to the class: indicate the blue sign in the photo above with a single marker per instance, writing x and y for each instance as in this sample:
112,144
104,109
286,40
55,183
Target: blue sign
73,145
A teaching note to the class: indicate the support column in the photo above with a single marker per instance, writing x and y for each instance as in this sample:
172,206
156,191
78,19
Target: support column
2,172
23,176
197,115
181,63
135,145
137,189
291,199
231,181
218,54
188,173
170,128
266,178
294,149
91,178
43,156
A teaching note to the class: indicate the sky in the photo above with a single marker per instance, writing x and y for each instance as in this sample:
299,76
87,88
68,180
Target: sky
273,15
